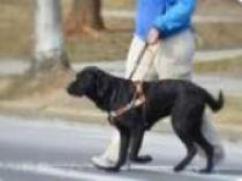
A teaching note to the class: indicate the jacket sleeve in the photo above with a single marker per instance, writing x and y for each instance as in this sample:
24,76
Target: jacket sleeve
178,16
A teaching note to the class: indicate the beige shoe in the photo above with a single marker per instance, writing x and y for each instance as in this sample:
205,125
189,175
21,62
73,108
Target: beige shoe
102,162
110,157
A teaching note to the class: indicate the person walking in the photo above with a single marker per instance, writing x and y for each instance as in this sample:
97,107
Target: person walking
166,26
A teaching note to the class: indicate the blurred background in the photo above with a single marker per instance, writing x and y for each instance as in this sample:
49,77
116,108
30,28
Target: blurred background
47,135
97,32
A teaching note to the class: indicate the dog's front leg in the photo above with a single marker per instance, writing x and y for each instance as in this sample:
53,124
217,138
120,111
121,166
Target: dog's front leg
137,137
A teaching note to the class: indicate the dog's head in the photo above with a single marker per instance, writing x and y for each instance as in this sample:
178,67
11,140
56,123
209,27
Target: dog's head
84,82
87,82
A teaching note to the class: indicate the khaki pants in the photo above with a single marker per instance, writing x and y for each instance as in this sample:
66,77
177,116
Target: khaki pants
170,59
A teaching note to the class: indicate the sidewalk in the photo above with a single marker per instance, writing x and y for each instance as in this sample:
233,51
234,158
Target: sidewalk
231,86
9,66
128,14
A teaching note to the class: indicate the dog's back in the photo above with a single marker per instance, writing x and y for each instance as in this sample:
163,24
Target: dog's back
172,89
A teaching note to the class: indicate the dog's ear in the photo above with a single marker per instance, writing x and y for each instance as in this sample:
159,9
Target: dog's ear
102,84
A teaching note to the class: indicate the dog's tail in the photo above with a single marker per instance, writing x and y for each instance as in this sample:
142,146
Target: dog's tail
215,105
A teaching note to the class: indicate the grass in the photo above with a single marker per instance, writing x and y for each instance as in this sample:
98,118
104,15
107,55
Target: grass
231,67
232,113
217,35
16,33
120,4
114,43
15,28
219,7
111,44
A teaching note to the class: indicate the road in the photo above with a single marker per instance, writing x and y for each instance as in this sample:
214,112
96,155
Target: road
53,150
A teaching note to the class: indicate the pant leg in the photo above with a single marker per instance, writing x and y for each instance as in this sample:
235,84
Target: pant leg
135,48
112,151
175,60
175,57
211,134
145,70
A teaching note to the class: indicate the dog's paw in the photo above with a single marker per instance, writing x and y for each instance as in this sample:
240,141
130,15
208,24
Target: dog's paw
108,169
205,171
142,159
178,168
112,169
201,171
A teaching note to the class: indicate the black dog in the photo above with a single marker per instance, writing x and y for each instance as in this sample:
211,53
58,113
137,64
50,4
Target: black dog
183,100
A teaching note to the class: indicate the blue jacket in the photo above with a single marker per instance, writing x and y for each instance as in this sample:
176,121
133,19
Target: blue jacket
168,16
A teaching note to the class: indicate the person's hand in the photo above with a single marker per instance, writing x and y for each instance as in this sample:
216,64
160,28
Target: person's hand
153,36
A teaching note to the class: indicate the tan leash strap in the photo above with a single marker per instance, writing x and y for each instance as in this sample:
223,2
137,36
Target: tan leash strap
139,97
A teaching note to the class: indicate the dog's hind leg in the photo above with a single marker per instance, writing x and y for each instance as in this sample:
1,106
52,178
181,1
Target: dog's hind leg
183,130
136,144
191,151
209,150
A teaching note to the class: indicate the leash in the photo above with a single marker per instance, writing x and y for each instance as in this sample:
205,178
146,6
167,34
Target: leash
139,97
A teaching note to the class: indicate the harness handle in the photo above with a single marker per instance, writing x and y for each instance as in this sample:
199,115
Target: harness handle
139,97
139,91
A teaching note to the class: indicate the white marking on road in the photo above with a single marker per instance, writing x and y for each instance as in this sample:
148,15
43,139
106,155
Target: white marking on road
66,171
169,170
46,169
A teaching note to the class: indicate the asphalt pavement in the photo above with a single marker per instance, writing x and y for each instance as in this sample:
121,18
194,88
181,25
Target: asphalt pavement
49,150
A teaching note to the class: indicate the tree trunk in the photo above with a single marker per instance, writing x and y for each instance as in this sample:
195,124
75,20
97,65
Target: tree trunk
49,52
84,17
